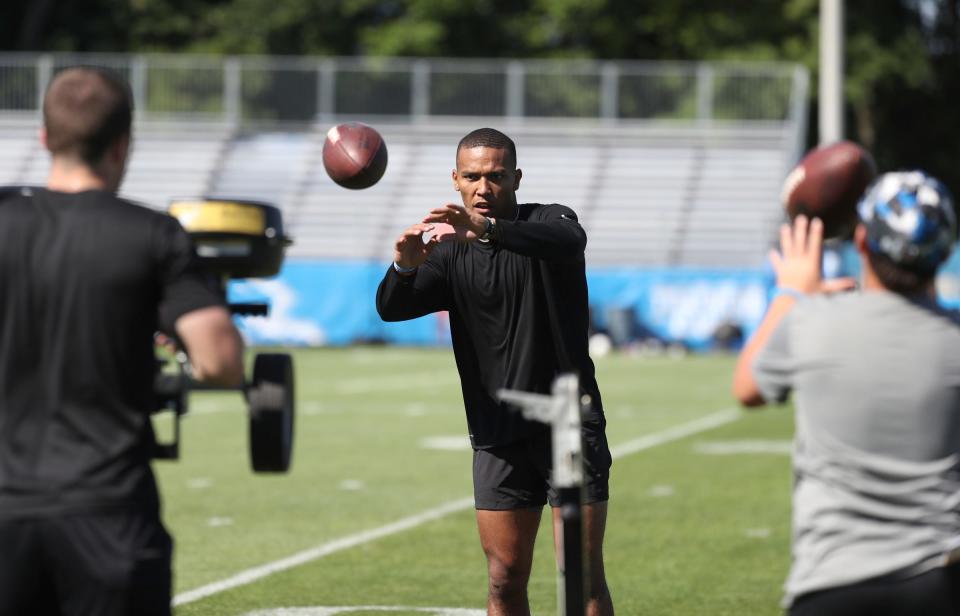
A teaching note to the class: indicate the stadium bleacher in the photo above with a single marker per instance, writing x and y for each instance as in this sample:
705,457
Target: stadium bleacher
19,145
648,194
674,186
169,159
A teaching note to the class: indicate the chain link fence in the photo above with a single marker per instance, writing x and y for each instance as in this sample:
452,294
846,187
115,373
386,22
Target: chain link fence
257,89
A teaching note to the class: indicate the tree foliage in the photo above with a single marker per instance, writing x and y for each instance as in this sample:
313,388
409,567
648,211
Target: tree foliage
902,56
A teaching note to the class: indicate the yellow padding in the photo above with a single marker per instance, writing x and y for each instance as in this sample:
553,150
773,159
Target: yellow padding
219,217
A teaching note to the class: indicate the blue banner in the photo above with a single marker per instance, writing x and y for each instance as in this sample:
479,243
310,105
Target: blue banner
679,305
316,303
333,303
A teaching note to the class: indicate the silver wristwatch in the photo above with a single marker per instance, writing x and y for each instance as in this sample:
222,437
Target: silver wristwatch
488,230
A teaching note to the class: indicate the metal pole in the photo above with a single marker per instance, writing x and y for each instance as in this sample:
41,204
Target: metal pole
798,111
44,75
138,84
562,411
705,86
420,90
515,89
831,71
568,479
609,91
231,90
326,90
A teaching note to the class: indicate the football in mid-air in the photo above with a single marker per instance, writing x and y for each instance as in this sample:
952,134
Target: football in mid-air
354,155
827,183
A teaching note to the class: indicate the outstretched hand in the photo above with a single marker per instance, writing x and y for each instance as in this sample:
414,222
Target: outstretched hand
410,249
467,226
798,264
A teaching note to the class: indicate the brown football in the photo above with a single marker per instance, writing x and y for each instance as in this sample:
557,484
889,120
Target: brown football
827,183
354,155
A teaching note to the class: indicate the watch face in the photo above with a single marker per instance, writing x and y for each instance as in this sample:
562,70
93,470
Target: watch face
488,229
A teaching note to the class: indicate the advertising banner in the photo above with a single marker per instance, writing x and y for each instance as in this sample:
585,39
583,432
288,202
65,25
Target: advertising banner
316,303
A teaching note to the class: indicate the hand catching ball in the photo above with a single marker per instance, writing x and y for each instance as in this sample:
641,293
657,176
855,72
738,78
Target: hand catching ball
354,155
827,184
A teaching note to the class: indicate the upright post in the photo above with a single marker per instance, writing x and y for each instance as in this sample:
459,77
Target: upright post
831,71
562,410
44,75
231,90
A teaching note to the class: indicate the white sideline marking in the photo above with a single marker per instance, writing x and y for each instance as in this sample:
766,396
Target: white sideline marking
345,387
396,382
446,443
200,483
211,407
662,491
709,422
352,485
337,545
720,448
219,521
334,611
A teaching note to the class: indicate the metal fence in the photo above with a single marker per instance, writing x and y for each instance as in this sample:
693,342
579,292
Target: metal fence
257,89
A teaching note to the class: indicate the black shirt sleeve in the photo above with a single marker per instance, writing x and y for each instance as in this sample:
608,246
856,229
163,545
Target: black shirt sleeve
400,297
552,232
185,286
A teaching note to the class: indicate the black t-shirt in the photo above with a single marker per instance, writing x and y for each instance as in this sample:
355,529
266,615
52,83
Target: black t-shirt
518,314
85,280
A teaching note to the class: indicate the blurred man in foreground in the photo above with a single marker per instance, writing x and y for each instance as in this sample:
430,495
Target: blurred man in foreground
86,279
876,495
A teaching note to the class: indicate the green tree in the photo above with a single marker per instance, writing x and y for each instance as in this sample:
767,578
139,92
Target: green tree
902,56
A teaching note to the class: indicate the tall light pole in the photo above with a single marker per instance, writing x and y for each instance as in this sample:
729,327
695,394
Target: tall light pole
831,71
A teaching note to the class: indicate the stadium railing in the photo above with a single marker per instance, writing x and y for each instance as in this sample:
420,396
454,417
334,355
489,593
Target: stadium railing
258,89
674,168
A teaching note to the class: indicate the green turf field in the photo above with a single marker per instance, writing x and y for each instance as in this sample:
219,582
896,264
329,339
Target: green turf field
376,510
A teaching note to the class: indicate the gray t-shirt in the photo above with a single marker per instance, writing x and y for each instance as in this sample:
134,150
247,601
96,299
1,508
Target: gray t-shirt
876,381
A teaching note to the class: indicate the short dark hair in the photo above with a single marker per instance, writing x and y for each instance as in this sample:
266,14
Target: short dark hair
899,279
489,138
85,110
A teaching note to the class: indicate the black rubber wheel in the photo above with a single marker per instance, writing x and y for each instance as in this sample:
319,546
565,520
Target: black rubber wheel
270,398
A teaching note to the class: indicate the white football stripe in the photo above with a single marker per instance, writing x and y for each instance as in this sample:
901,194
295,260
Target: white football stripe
446,443
300,558
719,448
333,135
336,611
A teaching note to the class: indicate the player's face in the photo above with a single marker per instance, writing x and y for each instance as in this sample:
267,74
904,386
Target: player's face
487,180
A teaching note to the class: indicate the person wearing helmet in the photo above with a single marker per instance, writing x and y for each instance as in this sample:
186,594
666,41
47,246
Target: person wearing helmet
876,377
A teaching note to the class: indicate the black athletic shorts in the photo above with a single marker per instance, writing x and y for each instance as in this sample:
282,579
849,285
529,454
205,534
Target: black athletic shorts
109,564
934,593
517,476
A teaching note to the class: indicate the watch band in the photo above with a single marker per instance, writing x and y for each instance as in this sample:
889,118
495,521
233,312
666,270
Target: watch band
403,270
488,229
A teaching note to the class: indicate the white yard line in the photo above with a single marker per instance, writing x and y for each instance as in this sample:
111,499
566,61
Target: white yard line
703,424
337,545
249,576
345,387
395,382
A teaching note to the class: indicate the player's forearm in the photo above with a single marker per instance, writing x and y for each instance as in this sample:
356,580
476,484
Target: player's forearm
214,346
398,299
552,240
745,388
225,367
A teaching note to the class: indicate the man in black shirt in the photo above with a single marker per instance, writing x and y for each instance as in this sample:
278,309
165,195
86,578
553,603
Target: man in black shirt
512,278
86,279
